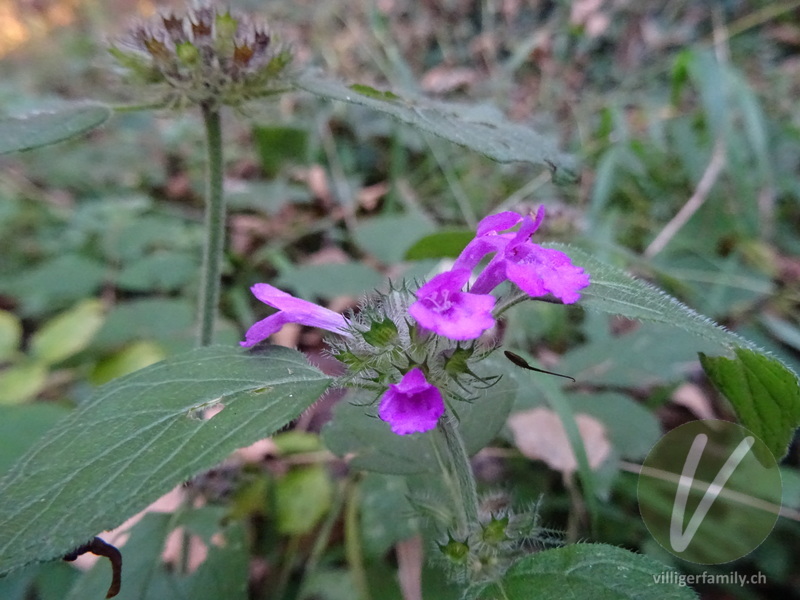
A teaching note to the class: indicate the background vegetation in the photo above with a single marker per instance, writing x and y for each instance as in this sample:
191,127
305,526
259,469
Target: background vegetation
682,112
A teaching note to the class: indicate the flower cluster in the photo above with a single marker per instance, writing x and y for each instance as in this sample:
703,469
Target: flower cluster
389,344
208,56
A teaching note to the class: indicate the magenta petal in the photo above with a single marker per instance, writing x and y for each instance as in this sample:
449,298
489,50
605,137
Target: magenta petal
529,227
449,281
264,328
292,310
497,223
413,405
479,247
492,275
538,271
444,309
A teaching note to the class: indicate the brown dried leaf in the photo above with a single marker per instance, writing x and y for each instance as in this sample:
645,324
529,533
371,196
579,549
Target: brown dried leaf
539,434
695,399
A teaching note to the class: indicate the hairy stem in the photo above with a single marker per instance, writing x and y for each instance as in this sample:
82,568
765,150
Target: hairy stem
214,227
462,470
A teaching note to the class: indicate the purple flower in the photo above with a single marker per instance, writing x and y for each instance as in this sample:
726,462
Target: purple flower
413,405
488,238
535,270
291,310
442,307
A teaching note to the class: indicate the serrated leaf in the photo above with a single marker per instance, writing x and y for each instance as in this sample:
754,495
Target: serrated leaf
764,394
368,443
141,435
44,128
482,128
614,291
68,333
596,571
768,405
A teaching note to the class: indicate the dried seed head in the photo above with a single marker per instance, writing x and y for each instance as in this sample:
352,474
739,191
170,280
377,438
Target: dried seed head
208,56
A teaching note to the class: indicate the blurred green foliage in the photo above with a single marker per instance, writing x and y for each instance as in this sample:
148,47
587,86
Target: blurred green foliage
100,242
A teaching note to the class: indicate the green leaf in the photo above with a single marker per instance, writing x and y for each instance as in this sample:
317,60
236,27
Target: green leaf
369,444
614,291
57,283
44,128
371,92
442,244
143,572
21,426
482,128
765,395
160,319
162,271
596,571
68,333
302,497
137,355
769,402
631,428
224,573
22,382
382,496
10,335
331,280
558,402
388,237
278,145
650,355
141,435
296,442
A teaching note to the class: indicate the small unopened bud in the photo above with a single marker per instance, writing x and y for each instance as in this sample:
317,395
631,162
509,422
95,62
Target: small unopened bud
188,54
381,333
494,532
455,551
227,26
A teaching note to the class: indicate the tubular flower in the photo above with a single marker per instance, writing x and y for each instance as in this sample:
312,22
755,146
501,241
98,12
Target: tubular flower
290,310
535,270
208,56
413,405
442,307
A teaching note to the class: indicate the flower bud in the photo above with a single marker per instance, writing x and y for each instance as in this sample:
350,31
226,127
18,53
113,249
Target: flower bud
455,551
207,56
381,333
494,532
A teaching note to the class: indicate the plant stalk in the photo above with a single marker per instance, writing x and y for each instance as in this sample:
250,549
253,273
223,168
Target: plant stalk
464,479
214,227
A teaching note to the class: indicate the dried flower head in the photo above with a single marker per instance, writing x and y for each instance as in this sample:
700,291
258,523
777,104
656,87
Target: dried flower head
209,56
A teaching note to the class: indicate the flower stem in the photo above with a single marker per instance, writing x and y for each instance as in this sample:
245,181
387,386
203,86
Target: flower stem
214,226
462,469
